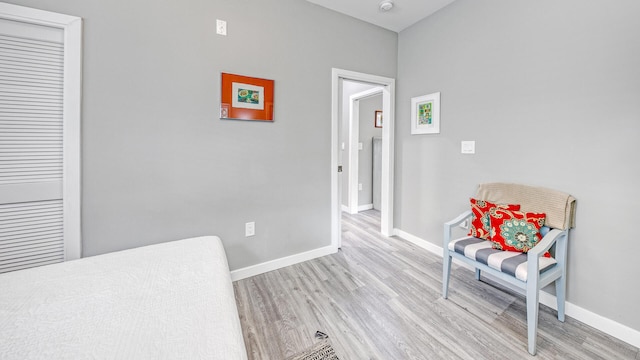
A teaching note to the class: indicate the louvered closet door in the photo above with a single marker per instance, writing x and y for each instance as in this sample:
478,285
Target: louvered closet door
31,145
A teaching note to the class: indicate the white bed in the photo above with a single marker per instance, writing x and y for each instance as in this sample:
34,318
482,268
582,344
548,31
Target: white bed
168,301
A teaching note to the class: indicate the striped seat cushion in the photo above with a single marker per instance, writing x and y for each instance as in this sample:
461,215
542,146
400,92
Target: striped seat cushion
509,262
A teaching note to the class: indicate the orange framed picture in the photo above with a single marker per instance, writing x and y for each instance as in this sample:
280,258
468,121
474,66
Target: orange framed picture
246,98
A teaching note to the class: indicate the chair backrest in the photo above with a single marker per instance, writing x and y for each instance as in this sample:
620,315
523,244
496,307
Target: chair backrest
559,206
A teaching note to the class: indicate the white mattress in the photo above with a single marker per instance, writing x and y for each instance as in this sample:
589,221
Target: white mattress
167,301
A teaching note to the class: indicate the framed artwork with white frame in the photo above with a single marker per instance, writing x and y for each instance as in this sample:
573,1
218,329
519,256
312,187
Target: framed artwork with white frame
425,114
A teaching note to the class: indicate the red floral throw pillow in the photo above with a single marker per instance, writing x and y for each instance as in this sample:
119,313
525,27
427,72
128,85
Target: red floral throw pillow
515,230
480,221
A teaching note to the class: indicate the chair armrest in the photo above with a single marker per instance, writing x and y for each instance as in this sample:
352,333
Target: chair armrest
545,244
534,254
458,220
450,224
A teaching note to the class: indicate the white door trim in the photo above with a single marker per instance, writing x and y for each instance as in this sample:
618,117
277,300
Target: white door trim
72,27
354,150
388,108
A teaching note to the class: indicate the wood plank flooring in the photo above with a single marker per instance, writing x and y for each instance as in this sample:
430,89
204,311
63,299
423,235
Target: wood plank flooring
380,298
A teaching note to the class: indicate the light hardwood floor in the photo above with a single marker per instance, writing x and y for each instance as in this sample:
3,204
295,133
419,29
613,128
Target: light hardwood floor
380,298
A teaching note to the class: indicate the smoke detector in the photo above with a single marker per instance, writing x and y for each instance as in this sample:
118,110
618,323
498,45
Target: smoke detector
386,6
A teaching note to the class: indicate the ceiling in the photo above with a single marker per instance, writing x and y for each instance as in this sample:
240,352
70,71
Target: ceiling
404,13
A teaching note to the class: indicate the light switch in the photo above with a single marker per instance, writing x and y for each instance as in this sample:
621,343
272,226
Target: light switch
221,27
250,229
468,147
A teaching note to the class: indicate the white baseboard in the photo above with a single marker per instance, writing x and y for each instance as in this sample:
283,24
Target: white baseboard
418,241
608,326
345,208
276,264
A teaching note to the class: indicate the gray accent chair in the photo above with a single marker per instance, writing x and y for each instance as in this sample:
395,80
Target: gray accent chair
527,273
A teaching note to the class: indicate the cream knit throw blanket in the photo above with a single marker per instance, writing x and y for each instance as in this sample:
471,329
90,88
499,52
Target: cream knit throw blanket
559,206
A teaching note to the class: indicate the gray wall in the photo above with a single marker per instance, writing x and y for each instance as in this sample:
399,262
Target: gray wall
550,92
159,165
368,107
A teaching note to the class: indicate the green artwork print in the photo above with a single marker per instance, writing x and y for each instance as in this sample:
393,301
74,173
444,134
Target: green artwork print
425,113
248,96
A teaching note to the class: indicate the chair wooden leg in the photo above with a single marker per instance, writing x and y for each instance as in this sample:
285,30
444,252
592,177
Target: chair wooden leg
532,316
446,271
561,289
478,274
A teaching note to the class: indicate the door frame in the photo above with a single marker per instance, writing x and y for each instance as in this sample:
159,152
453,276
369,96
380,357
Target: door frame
72,99
354,143
388,108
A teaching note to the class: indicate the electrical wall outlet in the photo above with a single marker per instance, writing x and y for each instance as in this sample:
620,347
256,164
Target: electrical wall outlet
360,187
464,224
250,229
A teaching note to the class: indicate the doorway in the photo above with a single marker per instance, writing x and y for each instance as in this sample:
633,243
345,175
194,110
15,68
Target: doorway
387,86
357,132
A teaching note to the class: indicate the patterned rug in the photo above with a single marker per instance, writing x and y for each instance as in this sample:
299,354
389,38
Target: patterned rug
319,351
